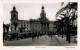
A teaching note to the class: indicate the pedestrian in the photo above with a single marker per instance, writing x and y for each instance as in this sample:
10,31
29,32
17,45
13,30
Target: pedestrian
45,36
32,37
51,36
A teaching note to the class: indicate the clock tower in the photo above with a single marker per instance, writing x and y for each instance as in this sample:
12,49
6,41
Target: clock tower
14,18
14,14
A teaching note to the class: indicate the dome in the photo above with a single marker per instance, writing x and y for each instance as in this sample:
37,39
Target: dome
42,7
14,8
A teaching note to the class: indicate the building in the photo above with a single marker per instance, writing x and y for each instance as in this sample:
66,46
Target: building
21,25
40,25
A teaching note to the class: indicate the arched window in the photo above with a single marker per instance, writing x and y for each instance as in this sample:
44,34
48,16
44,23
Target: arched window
14,16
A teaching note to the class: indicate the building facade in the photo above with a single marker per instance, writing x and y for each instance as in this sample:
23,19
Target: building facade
40,25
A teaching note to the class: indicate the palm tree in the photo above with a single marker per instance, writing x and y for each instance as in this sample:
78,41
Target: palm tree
7,27
15,25
57,27
71,6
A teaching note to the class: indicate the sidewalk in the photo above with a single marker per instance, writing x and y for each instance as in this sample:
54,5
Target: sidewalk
63,41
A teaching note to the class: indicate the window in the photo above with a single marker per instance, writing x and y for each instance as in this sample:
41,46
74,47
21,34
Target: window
24,22
21,25
21,22
24,25
27,25
14,16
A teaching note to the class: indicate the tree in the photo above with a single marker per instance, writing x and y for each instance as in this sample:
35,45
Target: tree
7,27
15,25
3,27
71,6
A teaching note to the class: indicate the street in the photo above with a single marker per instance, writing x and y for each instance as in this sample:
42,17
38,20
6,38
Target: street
42,41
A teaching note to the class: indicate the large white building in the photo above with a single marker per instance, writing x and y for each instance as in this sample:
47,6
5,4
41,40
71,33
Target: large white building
40,25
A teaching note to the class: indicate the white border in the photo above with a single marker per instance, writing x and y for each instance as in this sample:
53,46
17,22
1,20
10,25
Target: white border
36,47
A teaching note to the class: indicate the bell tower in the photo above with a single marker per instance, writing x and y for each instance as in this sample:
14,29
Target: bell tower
14,14
43,15
44,21
14,18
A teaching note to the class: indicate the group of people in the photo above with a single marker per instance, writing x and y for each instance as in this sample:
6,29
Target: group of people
17,36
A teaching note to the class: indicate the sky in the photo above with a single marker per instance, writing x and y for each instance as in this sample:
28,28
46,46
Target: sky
28,11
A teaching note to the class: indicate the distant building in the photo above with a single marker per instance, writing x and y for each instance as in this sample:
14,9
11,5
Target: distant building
40,25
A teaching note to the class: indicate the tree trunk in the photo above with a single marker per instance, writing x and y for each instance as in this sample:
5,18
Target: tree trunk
4,30
7,30
15,29
62,31
69,39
